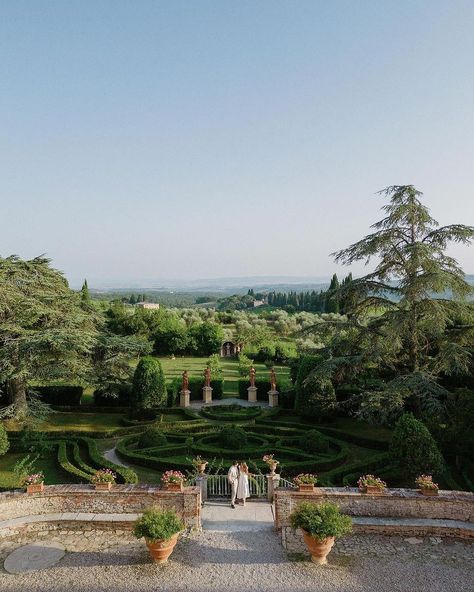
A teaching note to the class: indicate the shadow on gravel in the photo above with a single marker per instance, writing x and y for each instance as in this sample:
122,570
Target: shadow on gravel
248,551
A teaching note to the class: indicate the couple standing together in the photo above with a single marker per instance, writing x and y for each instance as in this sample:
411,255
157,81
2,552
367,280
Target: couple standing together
238,477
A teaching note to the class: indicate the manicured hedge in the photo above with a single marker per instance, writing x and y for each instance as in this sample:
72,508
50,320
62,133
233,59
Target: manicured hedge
370,465
219,413
138,458
63,394
73,472
119,397
124,474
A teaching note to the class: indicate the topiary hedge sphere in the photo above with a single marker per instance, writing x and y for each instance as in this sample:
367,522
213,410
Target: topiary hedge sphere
313,441
152,437
232,438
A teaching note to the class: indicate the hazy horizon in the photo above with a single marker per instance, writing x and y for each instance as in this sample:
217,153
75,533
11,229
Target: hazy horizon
219,139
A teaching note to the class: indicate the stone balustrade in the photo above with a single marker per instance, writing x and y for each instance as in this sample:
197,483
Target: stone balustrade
66,506
396,511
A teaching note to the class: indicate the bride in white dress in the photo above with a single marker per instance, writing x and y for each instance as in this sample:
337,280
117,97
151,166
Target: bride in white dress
243,491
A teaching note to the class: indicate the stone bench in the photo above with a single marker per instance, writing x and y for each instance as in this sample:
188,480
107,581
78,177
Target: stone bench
80,505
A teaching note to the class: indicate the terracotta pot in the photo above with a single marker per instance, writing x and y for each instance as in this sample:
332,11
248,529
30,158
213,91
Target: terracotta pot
372,489
174,486
309,487
161,550
35,488
319,549
103,486
428,492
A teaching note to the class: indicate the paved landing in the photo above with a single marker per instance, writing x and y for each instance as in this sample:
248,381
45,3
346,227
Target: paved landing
218,516
33,557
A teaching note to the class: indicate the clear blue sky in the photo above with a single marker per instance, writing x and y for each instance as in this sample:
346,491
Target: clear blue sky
205,139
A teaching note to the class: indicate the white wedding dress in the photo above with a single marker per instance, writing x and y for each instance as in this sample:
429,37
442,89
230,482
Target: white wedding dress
243,491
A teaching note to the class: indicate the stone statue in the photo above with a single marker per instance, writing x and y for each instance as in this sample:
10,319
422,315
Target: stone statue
273,380
252,376
207,377
185,385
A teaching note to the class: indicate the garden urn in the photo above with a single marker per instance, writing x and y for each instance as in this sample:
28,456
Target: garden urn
319,550
201,467
272,466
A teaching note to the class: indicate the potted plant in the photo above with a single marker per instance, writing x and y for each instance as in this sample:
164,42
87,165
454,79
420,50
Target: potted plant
34,482
426,485
103,479
321,524
305,481
371,484
173,480
271,462
160,528
199,464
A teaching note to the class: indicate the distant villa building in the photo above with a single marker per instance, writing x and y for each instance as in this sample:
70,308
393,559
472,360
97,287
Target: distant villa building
148,305
259,303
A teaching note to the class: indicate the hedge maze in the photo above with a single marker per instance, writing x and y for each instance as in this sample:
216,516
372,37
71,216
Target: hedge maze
223,433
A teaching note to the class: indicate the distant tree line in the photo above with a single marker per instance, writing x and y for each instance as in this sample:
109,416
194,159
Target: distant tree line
322,301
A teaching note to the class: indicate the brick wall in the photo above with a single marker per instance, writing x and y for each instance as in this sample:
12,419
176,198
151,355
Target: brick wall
394,504
122,499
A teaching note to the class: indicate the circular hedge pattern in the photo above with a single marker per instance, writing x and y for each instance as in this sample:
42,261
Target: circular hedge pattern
231,412
329,452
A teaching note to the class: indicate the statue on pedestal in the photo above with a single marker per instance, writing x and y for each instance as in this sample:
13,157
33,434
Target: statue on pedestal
207,377
185,384
273,383
252,376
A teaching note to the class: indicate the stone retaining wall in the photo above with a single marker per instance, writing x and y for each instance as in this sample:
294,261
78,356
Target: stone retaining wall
406,512
79,499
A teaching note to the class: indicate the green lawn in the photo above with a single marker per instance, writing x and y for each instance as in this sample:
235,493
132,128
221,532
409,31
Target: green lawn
77,422
52,473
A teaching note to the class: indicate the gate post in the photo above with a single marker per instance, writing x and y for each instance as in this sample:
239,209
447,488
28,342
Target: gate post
272,484
201,482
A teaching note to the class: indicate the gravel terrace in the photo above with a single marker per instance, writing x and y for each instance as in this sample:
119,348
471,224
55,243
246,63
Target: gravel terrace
250,560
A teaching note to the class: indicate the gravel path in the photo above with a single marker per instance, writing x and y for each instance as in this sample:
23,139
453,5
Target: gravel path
111,455
251,561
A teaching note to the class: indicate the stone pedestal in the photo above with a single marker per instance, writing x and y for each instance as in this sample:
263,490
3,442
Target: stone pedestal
273,398
207,394
272,483
252,394
201,482
184,398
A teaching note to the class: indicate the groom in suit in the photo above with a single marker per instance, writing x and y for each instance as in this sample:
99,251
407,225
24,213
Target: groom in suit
233,478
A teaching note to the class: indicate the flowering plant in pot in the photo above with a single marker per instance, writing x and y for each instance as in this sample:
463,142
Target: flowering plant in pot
160,528
34,482
321,524
103,479
199,464
371,484
271,461
426,485
306,481
173,480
